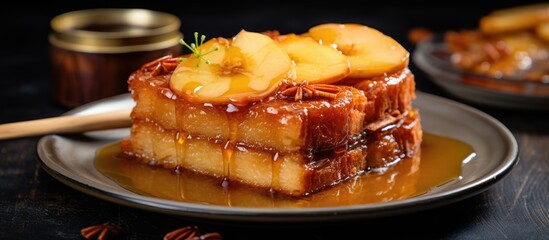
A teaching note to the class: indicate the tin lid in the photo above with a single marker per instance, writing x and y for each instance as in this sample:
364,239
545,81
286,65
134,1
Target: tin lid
112,30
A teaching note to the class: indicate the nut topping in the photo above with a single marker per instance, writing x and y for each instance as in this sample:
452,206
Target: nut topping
191,233
101,232
162,65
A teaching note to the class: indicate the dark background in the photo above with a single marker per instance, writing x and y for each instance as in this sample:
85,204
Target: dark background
33,205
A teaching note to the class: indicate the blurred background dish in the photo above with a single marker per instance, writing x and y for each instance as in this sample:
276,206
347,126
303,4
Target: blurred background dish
433,57
503,62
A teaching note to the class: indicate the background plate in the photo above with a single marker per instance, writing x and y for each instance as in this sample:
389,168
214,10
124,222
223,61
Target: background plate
70,159
444,74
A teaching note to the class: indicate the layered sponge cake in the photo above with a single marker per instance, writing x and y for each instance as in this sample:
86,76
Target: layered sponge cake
290,113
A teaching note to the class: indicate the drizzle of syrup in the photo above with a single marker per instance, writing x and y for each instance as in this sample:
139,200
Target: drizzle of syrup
440,161
275,172
180,137
228,148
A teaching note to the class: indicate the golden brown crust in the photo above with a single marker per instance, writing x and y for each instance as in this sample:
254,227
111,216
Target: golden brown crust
280,123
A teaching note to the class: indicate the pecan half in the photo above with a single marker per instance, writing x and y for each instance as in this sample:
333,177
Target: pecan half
162,65
191,233
101,232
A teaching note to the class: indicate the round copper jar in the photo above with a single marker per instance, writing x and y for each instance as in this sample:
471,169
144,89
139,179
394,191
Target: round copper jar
94,51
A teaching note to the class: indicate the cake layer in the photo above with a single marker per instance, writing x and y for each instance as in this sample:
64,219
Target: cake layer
294,173
281,124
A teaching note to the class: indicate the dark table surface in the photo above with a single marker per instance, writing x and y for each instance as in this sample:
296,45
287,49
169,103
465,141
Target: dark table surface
34,205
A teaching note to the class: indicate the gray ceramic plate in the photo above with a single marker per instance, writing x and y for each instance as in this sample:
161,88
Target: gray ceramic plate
70,160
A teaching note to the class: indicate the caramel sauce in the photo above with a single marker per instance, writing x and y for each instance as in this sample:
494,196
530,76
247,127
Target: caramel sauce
181,137
227,151
440,161
275,175
228,148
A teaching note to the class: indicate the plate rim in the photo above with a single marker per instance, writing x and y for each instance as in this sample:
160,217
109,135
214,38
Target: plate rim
316,214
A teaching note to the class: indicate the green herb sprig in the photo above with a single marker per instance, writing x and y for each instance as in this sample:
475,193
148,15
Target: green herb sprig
194,49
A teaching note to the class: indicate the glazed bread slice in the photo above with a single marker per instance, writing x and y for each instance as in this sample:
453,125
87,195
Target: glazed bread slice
277,123
294,173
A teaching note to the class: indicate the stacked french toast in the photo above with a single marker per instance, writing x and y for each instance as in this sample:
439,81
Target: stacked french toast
289,113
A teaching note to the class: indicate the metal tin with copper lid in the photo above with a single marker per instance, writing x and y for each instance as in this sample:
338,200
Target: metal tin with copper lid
94,51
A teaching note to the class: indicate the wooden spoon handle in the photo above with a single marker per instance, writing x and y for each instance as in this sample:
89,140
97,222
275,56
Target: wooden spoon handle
66,124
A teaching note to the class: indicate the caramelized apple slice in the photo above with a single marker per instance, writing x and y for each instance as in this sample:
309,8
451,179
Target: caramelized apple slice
370,52
315,63
240,71
515,18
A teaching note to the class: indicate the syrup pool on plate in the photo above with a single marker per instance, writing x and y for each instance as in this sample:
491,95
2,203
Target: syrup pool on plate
439,161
